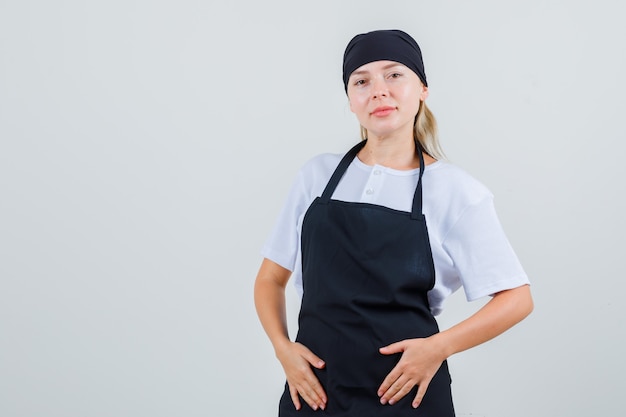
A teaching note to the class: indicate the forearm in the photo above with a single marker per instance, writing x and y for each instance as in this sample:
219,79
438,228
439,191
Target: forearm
269,300
502,312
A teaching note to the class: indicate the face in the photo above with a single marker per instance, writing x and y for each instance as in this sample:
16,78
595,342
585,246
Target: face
385,97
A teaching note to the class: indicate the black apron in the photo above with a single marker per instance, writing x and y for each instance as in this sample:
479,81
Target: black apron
366,271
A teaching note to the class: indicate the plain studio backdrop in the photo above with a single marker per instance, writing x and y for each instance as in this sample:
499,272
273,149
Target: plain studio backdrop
147,146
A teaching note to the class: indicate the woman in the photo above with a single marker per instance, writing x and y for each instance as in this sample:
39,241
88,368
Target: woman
371,274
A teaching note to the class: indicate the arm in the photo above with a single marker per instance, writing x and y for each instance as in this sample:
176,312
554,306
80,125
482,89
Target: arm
421,358
503,311
296,359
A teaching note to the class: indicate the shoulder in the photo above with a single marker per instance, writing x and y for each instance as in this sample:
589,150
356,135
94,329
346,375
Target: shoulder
320,164
315,173
454,183
449,192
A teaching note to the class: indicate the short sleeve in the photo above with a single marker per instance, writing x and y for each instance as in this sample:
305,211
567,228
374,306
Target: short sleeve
481,253
282,245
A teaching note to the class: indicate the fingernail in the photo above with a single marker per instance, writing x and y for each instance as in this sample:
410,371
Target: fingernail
391,401
383,401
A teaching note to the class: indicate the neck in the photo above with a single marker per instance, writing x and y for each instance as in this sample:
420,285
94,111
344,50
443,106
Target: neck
392,152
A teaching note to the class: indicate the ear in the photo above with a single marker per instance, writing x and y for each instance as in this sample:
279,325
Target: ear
424,94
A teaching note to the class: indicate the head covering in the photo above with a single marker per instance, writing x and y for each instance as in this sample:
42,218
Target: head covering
383,45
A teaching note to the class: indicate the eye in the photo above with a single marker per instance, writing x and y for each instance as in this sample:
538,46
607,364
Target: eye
359,82
395,75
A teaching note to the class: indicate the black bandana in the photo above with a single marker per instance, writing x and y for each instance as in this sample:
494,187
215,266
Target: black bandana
383,45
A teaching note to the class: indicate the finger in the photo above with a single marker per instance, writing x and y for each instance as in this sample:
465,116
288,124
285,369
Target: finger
295,399
315,393
320,393
312,358
421,391
398,390
389,380
400,384
397,347
311,390
311,398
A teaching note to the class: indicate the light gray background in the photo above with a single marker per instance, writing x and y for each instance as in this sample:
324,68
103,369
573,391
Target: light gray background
147,146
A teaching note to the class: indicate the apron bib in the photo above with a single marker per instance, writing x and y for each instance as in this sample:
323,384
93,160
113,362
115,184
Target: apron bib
366,272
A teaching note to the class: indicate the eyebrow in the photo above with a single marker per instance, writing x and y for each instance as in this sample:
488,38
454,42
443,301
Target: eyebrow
394,64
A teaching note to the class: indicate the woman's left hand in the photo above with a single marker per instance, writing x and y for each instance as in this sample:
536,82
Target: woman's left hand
421,358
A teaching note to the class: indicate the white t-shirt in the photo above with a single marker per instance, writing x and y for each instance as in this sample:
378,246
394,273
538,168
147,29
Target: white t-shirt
468,244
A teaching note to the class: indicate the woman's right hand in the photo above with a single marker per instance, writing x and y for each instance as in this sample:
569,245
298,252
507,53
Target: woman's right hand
297,360
269,298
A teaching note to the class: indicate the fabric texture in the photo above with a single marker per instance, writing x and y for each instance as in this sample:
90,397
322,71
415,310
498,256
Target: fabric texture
468,244
383,45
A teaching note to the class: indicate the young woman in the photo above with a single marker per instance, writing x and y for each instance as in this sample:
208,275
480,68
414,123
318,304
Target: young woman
372,275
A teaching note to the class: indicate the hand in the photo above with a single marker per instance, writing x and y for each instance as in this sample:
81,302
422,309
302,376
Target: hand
297,360
421,358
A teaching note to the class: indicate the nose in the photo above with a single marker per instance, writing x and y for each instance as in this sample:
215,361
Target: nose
379,88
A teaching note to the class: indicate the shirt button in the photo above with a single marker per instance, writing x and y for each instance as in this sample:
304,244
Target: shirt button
369,191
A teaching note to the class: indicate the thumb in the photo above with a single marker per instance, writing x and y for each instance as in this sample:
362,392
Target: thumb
397,347
313,359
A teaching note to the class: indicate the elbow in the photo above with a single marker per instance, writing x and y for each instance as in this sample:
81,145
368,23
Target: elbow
531,304
519,302
526,304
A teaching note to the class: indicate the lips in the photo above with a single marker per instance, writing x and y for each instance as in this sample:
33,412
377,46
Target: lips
382,111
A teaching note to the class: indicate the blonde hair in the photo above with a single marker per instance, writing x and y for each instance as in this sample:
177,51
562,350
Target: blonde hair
424,131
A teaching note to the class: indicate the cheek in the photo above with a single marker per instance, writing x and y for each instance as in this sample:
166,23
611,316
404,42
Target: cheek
357,103
412,98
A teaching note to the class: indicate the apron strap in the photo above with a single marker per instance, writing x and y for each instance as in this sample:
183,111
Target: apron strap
339,171
416,211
